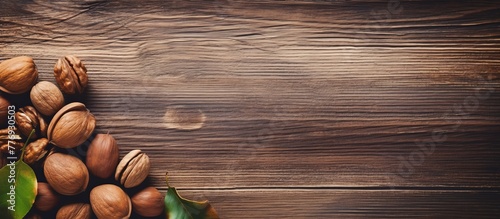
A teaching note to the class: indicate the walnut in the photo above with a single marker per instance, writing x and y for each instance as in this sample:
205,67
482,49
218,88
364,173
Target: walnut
18,75
71,75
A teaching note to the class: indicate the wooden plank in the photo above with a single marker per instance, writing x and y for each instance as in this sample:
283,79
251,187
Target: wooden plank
351,203
311,109
290,98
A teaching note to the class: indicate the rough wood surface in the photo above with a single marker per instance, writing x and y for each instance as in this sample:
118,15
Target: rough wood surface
307,109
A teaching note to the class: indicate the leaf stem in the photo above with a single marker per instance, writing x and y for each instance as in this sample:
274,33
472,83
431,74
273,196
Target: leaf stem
26,143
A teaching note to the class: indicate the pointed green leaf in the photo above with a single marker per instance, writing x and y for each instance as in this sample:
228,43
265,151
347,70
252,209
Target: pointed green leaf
180,208
18,188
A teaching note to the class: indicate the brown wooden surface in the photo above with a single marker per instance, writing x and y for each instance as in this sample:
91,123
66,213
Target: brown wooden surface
310,108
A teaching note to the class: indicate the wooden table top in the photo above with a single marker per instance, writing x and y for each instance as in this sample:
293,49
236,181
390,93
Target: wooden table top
290,109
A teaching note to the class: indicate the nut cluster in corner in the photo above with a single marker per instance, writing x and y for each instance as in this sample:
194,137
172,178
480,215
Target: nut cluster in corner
56,126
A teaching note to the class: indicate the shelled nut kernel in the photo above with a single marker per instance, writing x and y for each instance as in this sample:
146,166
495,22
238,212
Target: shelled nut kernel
35,151
29,119
71,75
12,139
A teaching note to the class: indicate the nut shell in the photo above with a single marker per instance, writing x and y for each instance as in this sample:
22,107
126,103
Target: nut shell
109,202
18,75
66,173
148,202
133,169
71,126
102,156
46,198
46,98
71,75
75,211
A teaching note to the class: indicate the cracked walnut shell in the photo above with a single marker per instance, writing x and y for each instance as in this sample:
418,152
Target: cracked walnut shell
71,126
133,169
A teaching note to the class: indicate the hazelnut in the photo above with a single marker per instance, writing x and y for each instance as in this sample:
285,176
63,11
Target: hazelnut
18,75
133,169
71,75
109,201
46,198
148,202
71,126
46,98
75,211
28,119
102,156
66,173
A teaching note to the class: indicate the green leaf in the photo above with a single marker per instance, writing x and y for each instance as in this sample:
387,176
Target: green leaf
18,188
181,208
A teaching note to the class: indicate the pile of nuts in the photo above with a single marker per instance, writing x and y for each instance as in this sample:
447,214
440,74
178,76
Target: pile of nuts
58,127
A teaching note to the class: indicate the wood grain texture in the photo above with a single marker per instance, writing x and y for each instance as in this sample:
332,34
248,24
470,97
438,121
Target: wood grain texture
298,97
320,203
